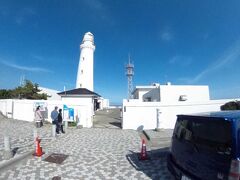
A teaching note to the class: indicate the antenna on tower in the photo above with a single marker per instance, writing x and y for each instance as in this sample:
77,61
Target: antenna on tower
130,73
22,80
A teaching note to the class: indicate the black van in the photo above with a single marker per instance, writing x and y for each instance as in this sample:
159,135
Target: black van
206,146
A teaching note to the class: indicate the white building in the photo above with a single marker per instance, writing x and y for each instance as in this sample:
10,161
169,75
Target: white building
52,94
83,102
157,106
171,93
86,62
103,103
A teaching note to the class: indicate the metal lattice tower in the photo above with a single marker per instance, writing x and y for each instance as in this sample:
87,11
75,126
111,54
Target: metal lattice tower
130,73
22,80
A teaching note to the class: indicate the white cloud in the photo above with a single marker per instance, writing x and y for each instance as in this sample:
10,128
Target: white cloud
95,4
24,68
100,10
180,60
166,36
37,57
19,20
19,16
23,15
205,36
229,56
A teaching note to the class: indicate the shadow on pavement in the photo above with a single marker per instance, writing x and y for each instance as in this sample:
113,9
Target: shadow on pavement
117,124
154,167
14,151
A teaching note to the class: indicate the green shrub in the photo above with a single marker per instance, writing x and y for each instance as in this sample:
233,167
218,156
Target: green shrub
72,124
232,105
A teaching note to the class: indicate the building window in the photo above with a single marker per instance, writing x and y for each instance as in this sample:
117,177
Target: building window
182,98
80,85
81,71
83,58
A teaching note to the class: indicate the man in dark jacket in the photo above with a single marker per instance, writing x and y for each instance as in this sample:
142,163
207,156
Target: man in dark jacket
60,120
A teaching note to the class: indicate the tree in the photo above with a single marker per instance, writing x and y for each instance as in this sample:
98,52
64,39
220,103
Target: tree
232,105
5,94
27,91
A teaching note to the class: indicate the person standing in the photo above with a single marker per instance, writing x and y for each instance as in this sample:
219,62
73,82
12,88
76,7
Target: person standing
38,117
54,117
60,120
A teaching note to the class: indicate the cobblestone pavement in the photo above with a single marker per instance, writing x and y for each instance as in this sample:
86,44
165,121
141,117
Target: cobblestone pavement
95,153
21,135
161,138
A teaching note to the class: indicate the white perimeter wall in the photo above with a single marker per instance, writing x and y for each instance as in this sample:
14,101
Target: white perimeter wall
24,109
171,93
6,107
144,114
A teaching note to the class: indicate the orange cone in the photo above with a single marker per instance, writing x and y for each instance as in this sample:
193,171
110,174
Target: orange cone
143,154
38,150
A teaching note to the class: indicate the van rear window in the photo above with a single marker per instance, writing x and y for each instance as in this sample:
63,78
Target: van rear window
211,133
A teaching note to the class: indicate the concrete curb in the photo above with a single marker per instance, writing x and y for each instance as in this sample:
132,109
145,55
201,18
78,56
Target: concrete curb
14,159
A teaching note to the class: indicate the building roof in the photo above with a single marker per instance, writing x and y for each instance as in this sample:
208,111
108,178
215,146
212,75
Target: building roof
79,92
145,88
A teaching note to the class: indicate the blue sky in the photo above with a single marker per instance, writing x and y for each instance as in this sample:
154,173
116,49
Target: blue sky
181,41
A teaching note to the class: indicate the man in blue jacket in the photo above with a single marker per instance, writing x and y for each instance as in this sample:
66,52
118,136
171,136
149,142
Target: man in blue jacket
54,116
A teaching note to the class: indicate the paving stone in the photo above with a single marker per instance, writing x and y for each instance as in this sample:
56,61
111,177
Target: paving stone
95,153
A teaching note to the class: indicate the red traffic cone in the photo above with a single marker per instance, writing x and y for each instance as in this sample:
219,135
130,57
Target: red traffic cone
38,150
143,154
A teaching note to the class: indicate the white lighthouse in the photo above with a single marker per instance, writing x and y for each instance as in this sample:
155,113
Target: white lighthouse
85,67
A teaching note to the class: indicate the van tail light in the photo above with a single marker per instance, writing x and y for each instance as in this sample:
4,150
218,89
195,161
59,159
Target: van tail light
234,173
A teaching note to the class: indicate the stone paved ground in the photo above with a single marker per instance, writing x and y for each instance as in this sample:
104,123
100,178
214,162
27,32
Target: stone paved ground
160,138
96,153
21,135
109,118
